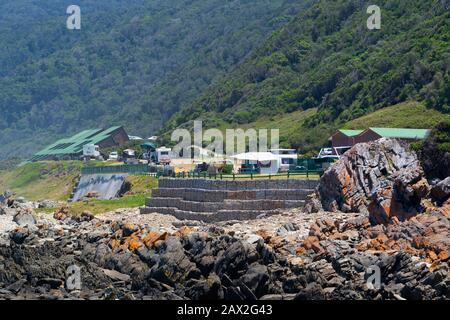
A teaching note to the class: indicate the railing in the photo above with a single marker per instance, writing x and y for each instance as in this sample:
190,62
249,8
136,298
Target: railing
249,171
242,176
127,168
303,167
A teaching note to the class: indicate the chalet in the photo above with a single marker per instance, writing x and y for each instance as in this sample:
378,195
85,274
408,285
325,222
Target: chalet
344,138
348,138
72,148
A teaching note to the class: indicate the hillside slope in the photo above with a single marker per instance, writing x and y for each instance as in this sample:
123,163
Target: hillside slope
327,59
133,63
55,181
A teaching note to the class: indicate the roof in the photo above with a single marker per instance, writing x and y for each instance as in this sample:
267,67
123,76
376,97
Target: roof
148,145
402,133
74,145
256,156
350,133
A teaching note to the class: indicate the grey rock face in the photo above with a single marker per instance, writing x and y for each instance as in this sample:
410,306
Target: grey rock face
24,218
382,178
211,264
5,196
441,191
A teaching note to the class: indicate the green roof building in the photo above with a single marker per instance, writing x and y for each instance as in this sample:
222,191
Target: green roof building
348,138
72,148
400,133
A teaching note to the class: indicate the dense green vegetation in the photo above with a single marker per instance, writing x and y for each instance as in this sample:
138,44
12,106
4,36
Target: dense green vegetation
133,62
327,59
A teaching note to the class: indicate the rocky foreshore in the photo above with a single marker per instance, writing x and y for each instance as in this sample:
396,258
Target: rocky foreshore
375,229
124,255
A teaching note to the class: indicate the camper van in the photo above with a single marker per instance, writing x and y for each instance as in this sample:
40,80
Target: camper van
91,151
163,155
286,158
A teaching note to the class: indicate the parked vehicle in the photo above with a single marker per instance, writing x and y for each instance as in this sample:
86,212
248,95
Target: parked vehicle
129,154
163,155
135,138
332,153
91,151
286,158
114,156
201,167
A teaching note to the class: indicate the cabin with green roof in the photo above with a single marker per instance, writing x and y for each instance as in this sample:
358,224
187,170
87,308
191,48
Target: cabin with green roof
72,148
344,138
348,138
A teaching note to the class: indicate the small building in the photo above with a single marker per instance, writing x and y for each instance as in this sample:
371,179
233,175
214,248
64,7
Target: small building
373,134
348,138
344,138
72,148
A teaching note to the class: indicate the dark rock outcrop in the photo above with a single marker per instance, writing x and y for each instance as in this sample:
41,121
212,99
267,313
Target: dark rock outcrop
440,192
124,261
382,178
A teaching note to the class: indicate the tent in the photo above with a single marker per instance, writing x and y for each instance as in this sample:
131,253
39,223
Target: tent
148,146
255,156
269,163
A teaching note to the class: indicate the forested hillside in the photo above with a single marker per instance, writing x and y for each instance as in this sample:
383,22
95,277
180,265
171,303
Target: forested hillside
133,62
328,59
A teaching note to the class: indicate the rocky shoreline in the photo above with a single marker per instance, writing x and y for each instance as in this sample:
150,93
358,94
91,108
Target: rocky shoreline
375,229
120,257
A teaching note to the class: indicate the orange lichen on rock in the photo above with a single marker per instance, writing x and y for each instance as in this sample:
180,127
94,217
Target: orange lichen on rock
152,237
132,242
114,244
266,235
184,230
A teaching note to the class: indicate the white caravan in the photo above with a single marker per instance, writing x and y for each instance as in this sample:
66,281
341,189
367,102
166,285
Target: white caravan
286,157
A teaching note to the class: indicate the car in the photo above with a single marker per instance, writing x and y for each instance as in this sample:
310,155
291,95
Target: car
114,156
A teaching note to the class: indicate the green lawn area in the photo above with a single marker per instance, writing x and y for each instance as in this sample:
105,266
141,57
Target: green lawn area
101,206
55,180
52,180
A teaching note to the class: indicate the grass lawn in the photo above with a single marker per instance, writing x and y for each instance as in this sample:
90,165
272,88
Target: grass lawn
53,180
101,206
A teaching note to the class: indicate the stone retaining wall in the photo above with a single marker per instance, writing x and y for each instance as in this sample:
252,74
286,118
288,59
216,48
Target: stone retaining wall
239,184
218,200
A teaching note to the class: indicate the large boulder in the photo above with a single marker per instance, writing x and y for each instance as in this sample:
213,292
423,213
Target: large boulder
4,210
5,196
382,178
441,191
24,218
